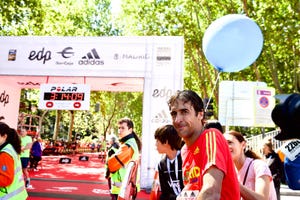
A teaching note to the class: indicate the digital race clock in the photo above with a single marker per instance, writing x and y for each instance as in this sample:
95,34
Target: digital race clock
64,97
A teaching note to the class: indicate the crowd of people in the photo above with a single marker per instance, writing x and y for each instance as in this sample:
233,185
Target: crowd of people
200,160
214,164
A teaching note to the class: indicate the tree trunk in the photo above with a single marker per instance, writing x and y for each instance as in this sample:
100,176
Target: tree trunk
57,123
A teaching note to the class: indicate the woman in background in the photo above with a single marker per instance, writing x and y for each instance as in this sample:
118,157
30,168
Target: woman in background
253,173
275,165
12,184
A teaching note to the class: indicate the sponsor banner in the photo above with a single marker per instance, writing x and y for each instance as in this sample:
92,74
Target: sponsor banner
153,60
156,114
64,97
9,104
78,56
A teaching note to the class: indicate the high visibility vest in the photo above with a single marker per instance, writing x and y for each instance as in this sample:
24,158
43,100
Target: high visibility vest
16,190
118,176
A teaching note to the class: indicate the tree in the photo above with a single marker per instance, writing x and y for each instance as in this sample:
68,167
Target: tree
278,64
59,18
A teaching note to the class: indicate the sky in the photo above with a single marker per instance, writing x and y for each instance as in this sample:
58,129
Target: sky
116,6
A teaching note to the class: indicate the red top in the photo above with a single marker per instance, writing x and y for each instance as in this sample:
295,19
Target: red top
210,149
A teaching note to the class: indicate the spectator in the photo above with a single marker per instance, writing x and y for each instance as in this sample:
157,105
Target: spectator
93,146
128,151
98,147
113,146
36,154
169,143
214,124
74,147
11,177
208,169
253,173
275,165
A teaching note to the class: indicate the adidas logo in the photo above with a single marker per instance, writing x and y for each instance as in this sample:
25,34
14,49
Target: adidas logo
161,117
91,58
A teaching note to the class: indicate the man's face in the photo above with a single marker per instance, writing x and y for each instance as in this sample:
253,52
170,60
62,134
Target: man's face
185,120
23,132
123,130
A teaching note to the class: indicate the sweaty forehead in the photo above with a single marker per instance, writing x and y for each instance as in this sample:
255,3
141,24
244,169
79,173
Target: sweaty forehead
181,105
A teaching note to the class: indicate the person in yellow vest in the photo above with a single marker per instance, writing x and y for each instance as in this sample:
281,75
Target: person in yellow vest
12,186
113,147
26,143
128,151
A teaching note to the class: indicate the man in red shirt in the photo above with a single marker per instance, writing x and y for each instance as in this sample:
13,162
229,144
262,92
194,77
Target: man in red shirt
208,169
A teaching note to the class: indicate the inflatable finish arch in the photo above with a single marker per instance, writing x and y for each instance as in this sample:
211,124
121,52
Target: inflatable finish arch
153,65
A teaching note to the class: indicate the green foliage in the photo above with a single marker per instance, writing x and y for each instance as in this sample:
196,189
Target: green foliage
62,18
278,65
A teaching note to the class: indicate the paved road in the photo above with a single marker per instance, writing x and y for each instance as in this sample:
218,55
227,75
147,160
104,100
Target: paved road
288,194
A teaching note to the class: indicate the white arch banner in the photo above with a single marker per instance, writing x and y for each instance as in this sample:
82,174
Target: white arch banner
150,64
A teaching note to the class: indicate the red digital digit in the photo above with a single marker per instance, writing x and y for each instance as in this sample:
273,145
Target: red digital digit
74,97
65,96
80,96
53,96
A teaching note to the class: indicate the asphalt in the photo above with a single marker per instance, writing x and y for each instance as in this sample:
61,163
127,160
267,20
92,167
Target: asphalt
286,191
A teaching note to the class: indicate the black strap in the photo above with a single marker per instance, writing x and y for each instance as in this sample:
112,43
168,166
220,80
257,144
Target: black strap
117,158
245,178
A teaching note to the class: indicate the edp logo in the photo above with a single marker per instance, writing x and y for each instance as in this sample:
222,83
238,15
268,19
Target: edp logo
40,55
162,93
4,98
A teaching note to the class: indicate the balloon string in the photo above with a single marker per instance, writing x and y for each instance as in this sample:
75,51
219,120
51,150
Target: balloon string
212,92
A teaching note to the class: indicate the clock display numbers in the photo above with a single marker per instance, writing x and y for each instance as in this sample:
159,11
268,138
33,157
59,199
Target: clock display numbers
59,96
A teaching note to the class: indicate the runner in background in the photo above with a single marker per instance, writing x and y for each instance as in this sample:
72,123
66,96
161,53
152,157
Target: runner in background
26,143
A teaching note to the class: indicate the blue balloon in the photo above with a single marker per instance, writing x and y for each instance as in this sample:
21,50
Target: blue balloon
232,43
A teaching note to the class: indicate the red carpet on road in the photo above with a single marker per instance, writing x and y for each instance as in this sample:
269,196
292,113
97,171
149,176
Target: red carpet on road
71,181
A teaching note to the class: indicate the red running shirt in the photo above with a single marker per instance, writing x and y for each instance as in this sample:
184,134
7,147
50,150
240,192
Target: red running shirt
210,149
